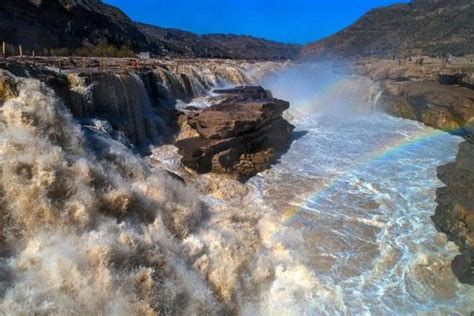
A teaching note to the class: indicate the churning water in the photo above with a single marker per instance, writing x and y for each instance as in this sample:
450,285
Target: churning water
356,194
340,226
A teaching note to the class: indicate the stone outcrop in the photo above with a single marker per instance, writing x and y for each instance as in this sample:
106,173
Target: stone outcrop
240,135
455,212
440,106
428,91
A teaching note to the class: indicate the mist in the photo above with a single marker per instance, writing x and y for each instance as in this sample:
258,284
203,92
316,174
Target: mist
323,88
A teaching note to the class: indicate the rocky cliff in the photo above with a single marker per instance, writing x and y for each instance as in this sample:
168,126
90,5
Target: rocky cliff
455,212
242,134
422,27
440,96
65,25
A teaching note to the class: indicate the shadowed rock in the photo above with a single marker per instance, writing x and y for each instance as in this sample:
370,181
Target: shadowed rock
455,212
242,135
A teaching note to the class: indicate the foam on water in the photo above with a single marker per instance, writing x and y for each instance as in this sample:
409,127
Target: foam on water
340,226
362,225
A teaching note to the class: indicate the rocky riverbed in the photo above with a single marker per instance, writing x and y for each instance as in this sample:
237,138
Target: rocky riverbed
440,95
237,244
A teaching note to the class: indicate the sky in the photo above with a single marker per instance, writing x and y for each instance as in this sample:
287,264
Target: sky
289,21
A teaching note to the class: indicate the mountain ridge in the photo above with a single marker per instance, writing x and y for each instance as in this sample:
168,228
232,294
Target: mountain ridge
45,25
422,27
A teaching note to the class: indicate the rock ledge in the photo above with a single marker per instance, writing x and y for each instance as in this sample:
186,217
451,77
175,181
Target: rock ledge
241,135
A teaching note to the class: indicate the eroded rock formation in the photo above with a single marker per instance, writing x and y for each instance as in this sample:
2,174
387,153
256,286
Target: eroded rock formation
436,105
455,212
440,96
241,135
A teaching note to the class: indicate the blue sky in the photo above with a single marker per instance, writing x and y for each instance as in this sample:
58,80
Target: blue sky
291,21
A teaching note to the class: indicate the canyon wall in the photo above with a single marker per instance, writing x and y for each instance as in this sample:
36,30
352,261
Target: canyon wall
441,97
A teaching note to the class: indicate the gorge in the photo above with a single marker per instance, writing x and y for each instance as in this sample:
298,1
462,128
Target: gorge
224,174
350,230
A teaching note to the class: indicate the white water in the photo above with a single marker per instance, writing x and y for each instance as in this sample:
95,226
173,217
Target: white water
89,227
355,193
361,222
345,216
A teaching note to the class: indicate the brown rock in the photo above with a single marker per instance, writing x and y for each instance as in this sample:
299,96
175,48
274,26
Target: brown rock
7,88
436,105
242,135
455,212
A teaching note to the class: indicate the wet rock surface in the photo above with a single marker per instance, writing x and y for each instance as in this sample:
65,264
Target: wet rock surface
439,95
440,106
241,135
455,212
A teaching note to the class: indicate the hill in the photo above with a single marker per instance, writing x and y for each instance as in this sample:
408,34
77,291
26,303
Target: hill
177,42
62,26
422,27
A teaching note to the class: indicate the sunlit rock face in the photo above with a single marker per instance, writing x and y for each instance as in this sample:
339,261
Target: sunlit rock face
436,28
430,102
242,134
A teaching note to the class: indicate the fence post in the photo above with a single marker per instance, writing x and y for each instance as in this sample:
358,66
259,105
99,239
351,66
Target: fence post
34,58
4,49
21,51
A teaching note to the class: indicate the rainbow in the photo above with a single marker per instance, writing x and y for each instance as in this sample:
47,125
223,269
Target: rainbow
397,146
306,106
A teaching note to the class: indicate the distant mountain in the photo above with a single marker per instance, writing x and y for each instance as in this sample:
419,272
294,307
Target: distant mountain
71,24
177,42
433,27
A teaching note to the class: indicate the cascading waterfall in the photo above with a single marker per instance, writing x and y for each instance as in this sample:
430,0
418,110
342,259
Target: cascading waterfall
88,231
344,219
135,104
340,226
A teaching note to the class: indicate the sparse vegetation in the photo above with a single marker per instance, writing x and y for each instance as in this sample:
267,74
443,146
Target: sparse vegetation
105,50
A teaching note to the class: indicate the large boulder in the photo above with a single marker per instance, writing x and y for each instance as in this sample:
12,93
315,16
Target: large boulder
241,135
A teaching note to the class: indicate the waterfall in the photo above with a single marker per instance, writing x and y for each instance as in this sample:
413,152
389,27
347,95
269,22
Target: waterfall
85,232
140,104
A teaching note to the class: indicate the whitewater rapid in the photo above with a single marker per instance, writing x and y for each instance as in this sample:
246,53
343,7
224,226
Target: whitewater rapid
341,225
356,193
343,220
